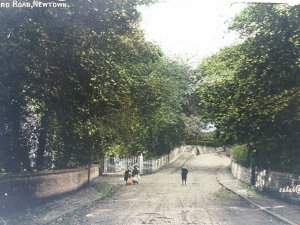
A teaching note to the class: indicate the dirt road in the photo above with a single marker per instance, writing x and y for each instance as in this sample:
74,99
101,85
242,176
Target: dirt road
161,199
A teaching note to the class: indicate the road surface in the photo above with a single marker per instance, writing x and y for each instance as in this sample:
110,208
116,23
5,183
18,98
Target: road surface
160,199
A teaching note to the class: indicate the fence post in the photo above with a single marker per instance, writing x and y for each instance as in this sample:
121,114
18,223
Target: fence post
141,163
105,166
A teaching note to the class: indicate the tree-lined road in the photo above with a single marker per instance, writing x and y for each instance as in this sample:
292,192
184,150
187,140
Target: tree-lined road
161,199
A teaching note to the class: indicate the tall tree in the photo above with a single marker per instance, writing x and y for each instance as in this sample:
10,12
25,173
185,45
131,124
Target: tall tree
67,66
252,89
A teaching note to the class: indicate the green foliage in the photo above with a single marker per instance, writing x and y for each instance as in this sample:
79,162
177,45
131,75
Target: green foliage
70,67
226,195
251,91
114,150
209,143
240,154
81,82
204,139
159,97
105,189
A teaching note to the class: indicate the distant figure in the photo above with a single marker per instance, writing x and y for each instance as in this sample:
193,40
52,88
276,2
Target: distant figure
127,175
135,175
184,172
135,171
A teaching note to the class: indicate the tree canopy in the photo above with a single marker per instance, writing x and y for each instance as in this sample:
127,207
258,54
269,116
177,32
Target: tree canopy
251,90
81,82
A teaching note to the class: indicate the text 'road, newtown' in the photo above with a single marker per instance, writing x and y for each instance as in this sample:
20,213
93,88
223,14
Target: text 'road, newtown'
34,4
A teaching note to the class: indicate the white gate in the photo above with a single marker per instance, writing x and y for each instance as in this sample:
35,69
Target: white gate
117,165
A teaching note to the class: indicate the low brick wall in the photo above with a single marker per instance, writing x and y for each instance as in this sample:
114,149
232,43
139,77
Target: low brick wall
28,187
284,186
94,172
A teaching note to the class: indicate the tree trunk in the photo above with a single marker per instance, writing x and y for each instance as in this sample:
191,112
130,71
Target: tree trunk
42,140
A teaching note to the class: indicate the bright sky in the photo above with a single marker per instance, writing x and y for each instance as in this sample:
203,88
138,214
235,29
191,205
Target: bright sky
190,28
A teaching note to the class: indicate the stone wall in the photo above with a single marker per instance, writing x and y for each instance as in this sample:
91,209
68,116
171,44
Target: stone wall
280,185
28,187
241,173
176,152
94,172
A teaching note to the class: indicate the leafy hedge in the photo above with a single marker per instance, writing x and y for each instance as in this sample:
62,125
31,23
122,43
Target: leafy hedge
240,154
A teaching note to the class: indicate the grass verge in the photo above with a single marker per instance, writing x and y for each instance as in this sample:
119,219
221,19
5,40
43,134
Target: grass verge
224,194
105,189
251,190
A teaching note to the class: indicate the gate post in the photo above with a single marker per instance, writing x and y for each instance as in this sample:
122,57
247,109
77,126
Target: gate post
104,166
141,163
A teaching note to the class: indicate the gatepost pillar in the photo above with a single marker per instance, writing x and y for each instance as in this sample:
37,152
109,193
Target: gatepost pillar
105,166
141,163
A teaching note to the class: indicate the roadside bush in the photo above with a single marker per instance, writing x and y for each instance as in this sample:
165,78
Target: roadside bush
105,189
240,155
210,143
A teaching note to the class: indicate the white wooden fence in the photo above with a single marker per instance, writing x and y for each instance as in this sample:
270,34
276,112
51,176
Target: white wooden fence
118,165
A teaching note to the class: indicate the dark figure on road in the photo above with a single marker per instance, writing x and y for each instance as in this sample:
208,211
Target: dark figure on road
135,171
135,175
126,175
184,172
